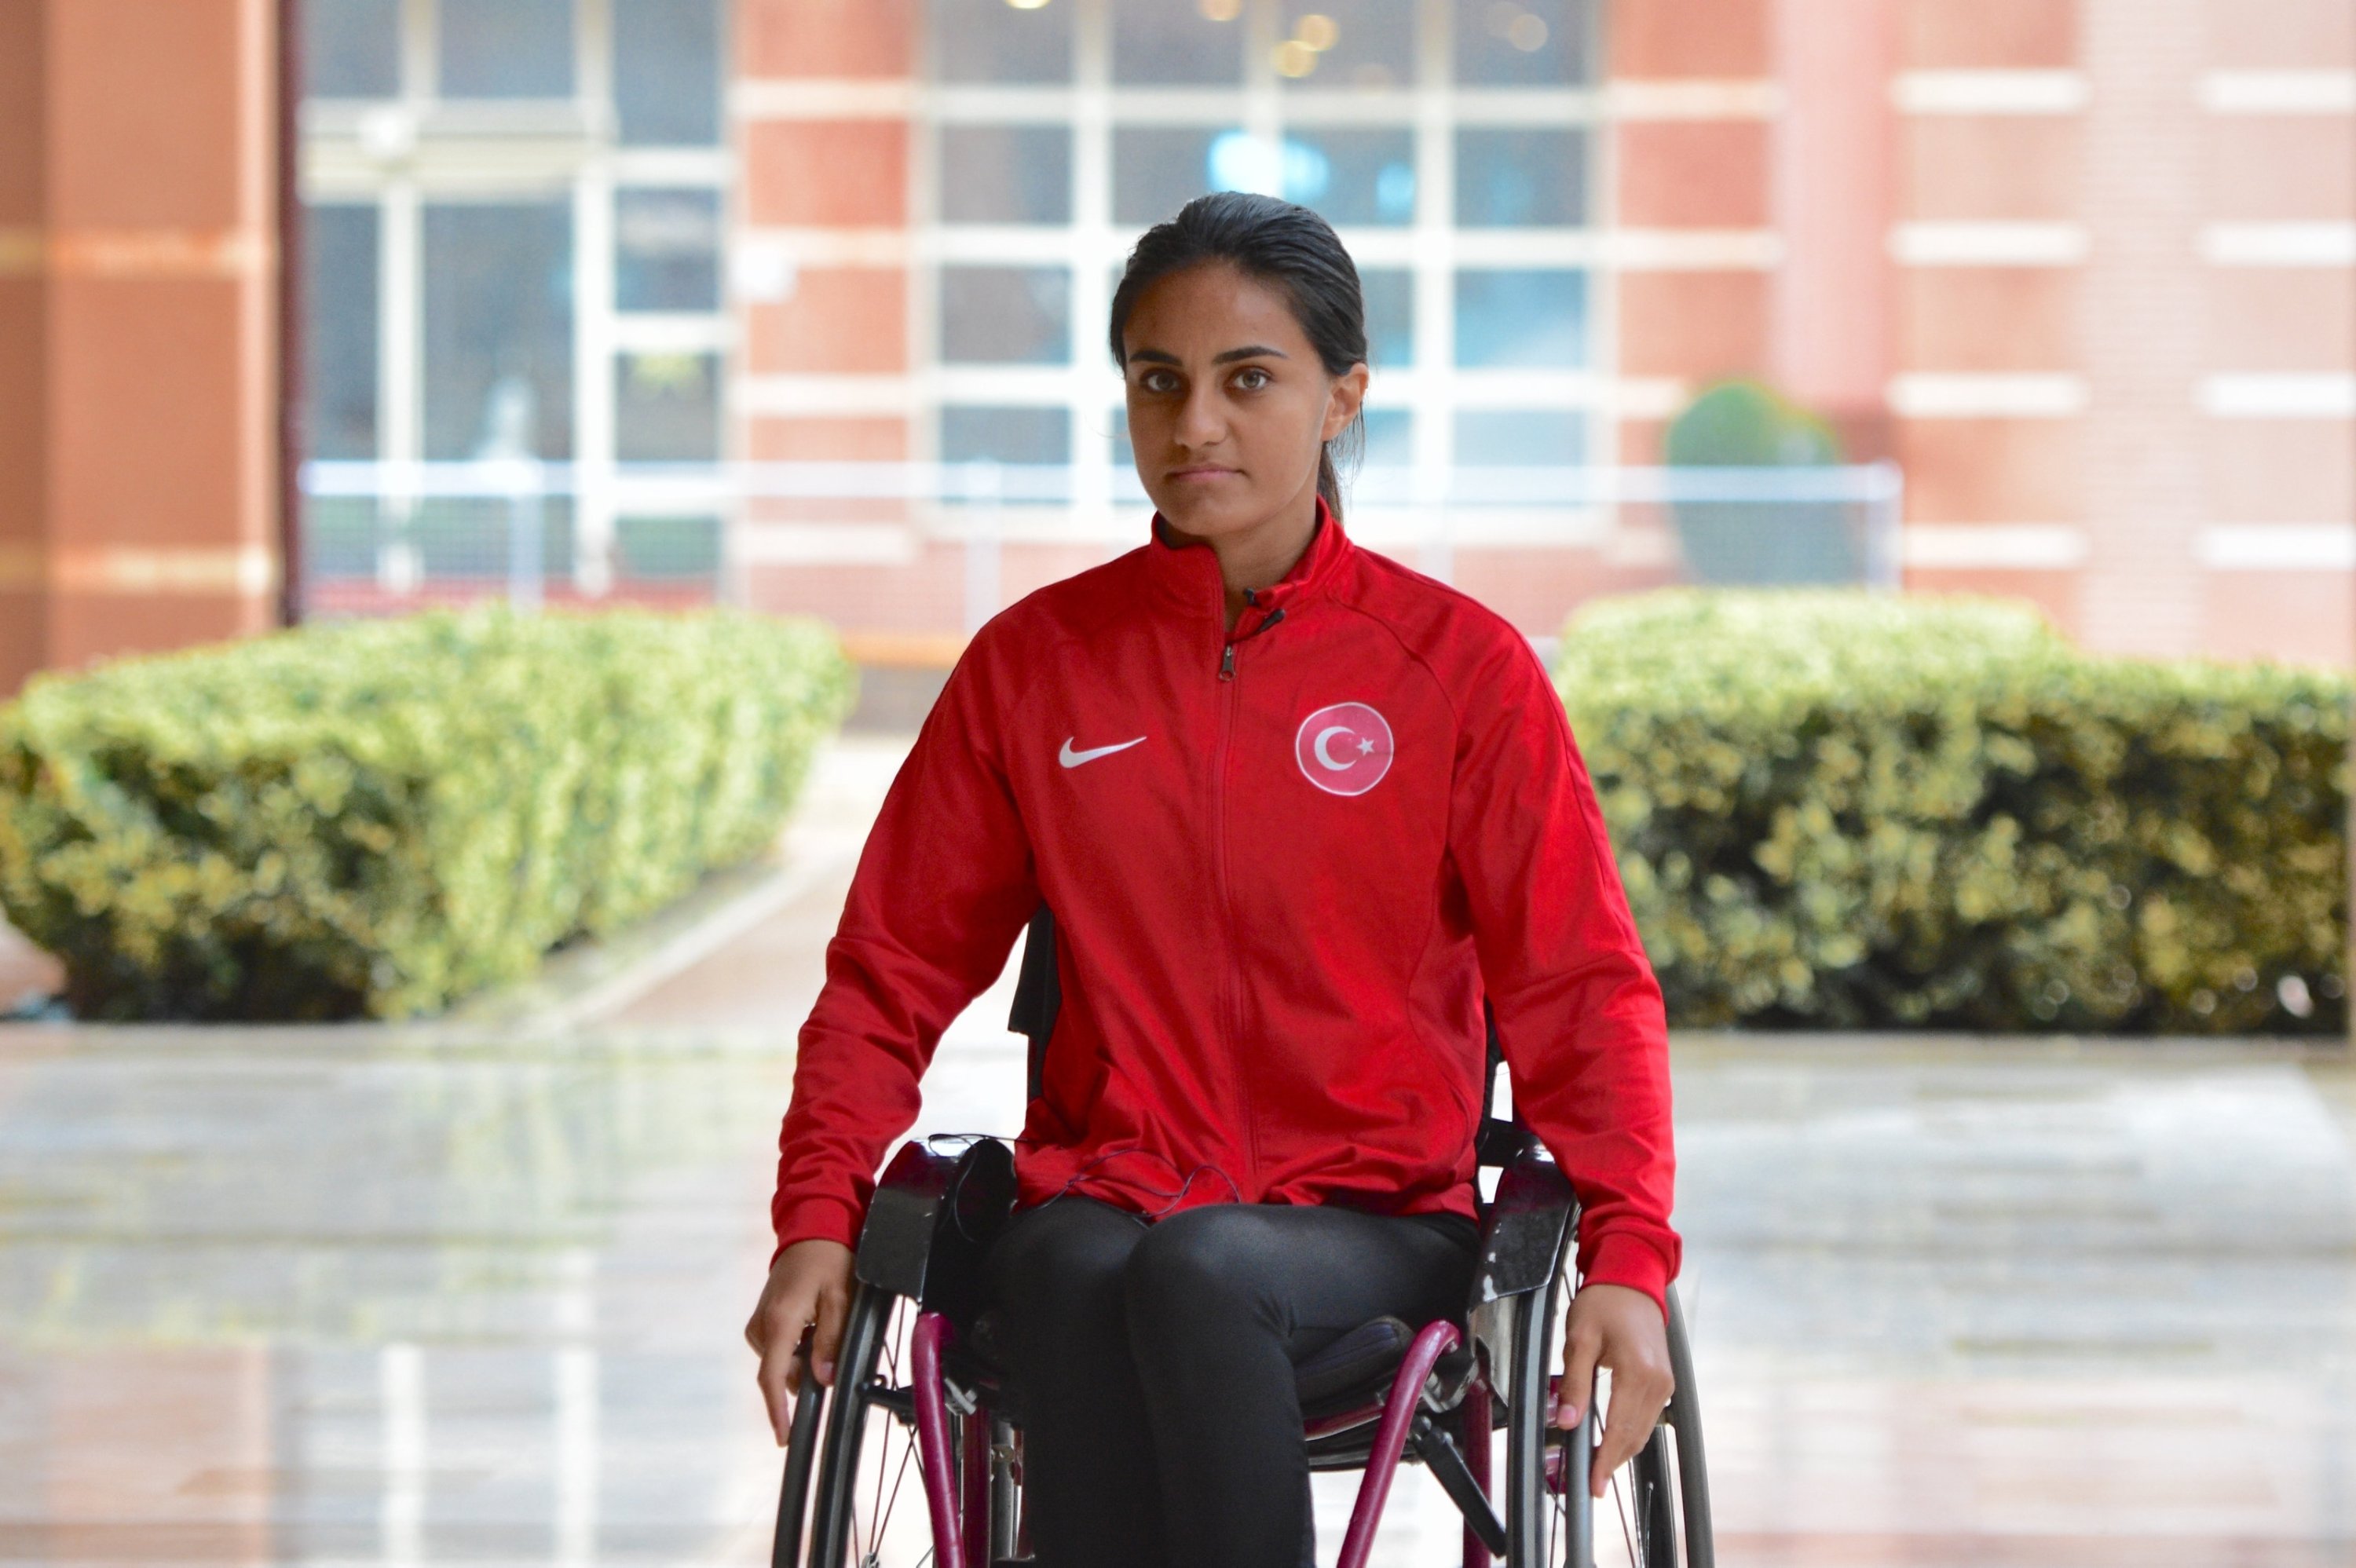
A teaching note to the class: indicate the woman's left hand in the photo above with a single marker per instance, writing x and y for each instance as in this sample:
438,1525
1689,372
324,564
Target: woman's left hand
1616,1327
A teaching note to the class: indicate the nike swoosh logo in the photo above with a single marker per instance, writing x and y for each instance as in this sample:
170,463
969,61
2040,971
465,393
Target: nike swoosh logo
1072,759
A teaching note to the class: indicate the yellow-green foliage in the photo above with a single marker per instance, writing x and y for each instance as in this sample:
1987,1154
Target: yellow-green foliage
1834,808
374,817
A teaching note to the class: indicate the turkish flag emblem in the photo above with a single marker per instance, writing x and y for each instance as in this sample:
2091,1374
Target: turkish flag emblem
1344,749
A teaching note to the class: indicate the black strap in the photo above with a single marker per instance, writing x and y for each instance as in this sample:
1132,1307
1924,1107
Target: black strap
1038,993
1489,1067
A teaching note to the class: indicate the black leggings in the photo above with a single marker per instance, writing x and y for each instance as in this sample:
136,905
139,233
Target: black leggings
1155,1363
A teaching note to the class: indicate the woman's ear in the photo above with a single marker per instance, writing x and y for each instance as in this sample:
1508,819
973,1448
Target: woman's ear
1341,405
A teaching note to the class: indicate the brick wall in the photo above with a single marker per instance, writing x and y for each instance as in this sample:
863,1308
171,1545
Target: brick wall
137,453
2087,268
2123,376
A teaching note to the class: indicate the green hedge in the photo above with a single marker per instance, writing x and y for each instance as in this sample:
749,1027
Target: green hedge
375,817
1839,809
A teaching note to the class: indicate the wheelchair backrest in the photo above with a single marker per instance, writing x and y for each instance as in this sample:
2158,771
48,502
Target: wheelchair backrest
1039,997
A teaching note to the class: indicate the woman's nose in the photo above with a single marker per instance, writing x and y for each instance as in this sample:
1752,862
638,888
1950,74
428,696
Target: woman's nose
1201,421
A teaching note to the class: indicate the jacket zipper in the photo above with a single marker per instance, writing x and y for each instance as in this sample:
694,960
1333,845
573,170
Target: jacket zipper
1227,659
1226,906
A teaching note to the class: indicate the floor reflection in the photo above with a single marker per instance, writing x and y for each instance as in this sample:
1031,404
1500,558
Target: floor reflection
1960,1302
296,1296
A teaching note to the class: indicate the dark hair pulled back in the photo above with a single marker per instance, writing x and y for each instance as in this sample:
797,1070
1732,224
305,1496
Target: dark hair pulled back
1280,242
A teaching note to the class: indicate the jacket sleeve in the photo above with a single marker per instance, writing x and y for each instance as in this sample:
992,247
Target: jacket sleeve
1579,1011
944,885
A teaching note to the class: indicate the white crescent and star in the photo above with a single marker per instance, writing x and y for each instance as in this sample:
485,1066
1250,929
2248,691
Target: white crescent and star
1326,734
1343,748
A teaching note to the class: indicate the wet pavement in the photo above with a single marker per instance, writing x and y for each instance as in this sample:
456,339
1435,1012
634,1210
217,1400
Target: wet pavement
475,1293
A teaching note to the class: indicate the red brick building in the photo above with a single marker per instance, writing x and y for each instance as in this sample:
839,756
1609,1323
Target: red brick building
2084,270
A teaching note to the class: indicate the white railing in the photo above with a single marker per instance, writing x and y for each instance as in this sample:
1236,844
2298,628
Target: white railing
489,523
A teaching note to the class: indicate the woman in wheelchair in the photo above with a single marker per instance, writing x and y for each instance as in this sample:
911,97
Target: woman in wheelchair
1308,822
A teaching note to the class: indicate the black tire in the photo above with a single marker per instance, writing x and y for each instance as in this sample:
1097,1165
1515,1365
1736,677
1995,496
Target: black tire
801,1464
1684,1418
1654,1512
1532,1524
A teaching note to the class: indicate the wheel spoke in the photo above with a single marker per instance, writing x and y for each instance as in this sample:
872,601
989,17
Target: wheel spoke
884,1509
870,1522
1629,1529
875,1514
866,1545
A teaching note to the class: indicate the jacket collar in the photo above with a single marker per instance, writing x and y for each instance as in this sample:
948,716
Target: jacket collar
1189,574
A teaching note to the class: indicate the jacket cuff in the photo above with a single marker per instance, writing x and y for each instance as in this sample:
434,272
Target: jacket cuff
1620,1258
820,1218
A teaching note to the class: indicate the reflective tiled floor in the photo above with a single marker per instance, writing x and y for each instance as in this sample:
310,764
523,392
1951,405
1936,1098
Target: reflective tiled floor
441,1294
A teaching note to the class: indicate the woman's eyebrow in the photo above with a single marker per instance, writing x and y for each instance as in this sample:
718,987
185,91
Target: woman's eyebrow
1163,356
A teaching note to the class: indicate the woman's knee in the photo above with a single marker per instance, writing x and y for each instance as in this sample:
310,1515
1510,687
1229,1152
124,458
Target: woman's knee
1203,1269
1057,1269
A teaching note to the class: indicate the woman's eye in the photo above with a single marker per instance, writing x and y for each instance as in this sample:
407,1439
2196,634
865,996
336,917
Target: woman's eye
1253,370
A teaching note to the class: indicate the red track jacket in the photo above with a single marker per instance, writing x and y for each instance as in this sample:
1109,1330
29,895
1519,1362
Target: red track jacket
1285,862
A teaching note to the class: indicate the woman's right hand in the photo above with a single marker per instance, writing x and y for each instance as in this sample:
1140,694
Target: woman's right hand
809,1283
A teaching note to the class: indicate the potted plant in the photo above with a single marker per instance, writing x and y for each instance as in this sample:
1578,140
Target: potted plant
1744,423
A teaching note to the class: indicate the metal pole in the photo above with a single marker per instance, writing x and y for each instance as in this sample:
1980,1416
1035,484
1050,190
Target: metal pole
1431,491
982,545
524,547
1886,513
292,431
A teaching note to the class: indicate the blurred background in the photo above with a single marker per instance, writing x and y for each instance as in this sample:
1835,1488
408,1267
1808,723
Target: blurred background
801,306
318,315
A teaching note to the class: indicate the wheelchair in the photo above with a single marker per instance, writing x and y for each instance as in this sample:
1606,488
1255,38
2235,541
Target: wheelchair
917,1384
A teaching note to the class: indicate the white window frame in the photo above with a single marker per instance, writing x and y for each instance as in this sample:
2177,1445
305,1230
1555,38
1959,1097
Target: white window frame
1432,247
414,149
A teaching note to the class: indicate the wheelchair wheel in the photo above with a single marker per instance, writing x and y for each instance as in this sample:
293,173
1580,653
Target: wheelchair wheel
1654,1511
869,1500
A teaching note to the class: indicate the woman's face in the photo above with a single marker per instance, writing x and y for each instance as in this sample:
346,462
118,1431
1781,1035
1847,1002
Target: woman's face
1229,404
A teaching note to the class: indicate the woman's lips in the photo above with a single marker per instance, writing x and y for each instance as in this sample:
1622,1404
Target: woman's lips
1200,472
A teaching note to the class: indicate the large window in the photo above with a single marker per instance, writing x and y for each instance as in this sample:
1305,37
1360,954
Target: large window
505,48
340,307
1452,144
513,248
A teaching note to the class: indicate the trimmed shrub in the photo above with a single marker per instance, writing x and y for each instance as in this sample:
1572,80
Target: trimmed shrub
373,818
1840,809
